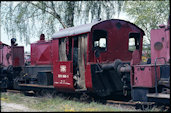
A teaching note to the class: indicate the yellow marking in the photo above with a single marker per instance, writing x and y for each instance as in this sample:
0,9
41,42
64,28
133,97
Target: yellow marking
3,99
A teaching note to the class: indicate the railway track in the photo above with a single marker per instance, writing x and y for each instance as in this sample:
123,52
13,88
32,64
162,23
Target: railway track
87,98
13,91
137,105
27,93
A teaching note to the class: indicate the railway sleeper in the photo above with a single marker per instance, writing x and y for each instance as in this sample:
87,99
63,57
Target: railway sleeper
137,104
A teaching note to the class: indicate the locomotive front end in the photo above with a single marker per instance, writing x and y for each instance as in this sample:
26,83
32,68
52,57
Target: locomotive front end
112,44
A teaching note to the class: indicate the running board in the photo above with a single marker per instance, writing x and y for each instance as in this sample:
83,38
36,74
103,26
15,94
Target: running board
35,86
81,90
158,95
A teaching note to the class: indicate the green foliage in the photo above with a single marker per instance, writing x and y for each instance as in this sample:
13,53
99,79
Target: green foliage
28,19
148,14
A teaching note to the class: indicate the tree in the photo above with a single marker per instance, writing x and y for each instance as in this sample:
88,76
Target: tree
32,18
148,14
102,9
29,19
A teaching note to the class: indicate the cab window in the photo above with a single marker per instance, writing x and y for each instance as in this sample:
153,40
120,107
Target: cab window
134,41
100,40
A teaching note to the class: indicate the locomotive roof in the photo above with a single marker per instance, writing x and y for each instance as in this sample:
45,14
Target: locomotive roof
74,30
81,29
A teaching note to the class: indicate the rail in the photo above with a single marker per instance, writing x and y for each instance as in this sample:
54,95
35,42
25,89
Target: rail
156,90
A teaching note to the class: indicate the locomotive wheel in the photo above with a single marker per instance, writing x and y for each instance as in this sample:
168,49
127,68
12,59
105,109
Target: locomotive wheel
84,97
45,92
125,92
16,82
4,83
37,92
116,63
10,69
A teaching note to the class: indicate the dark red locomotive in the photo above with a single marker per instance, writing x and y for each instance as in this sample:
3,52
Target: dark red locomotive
103,57
11,62
151,81
85,58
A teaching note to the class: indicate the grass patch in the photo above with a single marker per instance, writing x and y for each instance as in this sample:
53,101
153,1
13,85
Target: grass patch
61,104
58,103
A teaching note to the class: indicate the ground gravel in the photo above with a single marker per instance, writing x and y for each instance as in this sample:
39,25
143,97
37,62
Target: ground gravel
13,107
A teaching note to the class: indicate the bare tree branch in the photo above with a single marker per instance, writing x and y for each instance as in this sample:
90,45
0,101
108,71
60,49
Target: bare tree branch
52,13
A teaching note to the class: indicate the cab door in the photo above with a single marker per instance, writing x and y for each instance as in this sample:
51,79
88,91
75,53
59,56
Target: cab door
79,60
63,65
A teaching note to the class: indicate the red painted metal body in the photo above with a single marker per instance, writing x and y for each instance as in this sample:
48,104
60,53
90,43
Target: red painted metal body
144,76
160,47
59,53
5,56
41,53
160,44
47,52
151,81
117,48
11,55
63,76
117,41
95,57
18,55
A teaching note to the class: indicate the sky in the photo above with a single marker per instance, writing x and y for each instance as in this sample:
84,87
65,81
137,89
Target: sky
5,39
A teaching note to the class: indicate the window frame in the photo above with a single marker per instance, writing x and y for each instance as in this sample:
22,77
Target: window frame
136,37
94,39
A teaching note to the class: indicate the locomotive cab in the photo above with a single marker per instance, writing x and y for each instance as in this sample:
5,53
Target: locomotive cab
93,57
81,55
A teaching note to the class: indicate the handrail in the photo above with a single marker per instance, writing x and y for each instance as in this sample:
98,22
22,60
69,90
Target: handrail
156,73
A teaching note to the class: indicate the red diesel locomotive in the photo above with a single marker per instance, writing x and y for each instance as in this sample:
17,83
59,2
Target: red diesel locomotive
85,58
151,81
11,62
101,57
